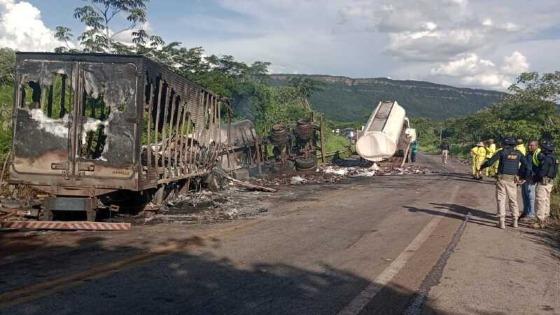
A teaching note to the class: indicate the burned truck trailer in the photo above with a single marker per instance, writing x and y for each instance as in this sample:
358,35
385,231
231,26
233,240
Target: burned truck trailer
89,125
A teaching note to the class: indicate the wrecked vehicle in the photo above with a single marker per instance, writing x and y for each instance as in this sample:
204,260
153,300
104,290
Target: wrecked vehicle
386,133
245,153
297,146
92,129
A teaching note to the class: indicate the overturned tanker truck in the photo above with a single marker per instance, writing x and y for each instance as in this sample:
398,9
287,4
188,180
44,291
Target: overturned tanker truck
386,134
93,130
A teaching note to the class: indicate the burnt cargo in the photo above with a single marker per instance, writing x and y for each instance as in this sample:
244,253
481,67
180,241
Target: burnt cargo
86,125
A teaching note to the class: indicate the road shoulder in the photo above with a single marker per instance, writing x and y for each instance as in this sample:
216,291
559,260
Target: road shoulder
499,272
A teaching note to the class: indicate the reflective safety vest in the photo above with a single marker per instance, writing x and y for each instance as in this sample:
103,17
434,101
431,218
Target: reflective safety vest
521,148
490,150
535,157
478,153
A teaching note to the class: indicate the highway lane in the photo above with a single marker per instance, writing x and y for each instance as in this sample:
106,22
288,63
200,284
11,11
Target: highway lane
362,246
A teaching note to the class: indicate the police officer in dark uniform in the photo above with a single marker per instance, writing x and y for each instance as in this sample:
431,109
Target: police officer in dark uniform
507,180
544,176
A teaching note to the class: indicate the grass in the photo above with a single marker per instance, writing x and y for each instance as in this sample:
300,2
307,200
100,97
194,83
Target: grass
337,143
456,150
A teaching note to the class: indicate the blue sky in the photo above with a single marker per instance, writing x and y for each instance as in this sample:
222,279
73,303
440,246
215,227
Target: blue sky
473,43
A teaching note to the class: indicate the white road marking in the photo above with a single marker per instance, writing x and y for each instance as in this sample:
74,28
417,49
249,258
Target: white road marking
360,301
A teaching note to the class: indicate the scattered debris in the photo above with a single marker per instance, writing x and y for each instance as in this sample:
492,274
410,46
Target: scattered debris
296,180
373,170
248,185
342,171
210,207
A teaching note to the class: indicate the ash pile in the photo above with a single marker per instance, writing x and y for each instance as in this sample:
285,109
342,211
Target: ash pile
207,206
375,170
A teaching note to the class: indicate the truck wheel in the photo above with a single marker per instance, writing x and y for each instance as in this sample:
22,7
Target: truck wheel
306,164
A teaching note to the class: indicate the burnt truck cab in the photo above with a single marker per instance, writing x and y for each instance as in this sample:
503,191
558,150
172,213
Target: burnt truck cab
87,125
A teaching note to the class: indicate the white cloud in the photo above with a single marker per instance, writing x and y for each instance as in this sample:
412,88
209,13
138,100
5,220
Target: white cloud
515,64
443,40
427,30
470,69
21,28
487,22
296,36
460,42
433,45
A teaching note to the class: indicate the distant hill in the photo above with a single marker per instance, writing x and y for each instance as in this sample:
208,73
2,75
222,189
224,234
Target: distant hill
347,99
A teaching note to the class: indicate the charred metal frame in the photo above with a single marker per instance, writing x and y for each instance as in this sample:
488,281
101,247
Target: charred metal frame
245,150
294,146
161,128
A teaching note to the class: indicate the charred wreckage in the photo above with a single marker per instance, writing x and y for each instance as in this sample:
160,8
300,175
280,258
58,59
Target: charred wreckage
101,131
110,132
91,129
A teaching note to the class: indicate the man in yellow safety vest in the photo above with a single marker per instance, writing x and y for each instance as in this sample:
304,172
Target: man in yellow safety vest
478,155
490,151
521,147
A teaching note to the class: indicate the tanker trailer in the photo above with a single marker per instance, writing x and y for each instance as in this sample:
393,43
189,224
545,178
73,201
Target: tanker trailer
386,132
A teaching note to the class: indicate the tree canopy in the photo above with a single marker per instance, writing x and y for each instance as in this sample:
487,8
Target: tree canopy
529,112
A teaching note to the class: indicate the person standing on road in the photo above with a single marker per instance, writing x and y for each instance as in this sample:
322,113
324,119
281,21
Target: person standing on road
544,176
490,151
521,147
444,147
478,155
413,151
528,187
506,185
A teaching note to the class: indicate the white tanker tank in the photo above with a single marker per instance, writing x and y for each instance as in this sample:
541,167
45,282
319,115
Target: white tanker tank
387,131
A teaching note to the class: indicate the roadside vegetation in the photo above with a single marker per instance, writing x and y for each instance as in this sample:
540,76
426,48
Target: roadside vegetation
530,111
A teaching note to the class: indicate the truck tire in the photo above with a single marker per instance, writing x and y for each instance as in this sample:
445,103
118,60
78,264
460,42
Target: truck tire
306,164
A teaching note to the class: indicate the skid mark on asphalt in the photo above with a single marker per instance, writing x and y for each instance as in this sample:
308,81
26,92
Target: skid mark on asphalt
434,276
360,301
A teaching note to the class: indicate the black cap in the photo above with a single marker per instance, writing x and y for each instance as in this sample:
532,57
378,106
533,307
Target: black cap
548,145
509,141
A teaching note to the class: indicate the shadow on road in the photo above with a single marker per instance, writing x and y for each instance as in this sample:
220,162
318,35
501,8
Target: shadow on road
463,177
458,212
181,282
549,237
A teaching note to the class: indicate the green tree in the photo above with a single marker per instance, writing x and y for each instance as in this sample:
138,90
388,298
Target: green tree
530,111
243,83
98,17
7,66
63,34
305,87
7,71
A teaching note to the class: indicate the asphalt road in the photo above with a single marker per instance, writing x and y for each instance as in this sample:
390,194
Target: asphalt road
379,245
